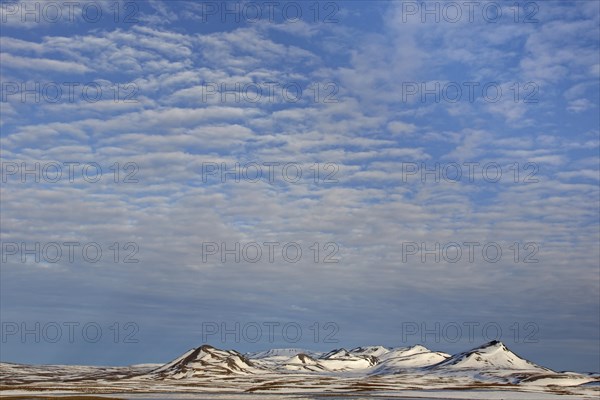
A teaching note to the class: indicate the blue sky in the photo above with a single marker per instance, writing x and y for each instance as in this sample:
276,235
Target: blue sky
387,76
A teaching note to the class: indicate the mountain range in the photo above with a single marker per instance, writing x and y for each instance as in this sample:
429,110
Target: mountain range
491,367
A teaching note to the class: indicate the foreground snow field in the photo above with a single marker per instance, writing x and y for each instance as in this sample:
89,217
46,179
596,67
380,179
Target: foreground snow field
490,371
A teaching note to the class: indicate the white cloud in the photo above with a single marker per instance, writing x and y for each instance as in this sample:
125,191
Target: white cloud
400,128
42,64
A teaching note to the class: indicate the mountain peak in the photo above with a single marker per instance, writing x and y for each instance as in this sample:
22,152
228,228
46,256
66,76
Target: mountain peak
206,359
493,343
491,355
336,353
375,351
282,352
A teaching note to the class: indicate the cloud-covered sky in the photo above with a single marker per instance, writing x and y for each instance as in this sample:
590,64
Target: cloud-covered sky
412,127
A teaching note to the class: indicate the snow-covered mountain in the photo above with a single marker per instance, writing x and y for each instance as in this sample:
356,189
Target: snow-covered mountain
375,369
302,362
375,351
373,360
279,353
493,355
404,358
206,360
343,360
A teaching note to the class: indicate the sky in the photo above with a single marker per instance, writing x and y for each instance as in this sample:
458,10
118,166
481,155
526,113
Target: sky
258,175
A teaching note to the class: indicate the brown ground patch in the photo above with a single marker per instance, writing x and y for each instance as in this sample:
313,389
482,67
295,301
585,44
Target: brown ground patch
59,398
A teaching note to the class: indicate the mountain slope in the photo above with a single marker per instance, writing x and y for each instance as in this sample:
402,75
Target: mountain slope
206,360
303,362
376,351
490,356
278,353
403,358
343,360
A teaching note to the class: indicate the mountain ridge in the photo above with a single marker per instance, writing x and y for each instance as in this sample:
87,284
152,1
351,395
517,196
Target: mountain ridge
372,360
204,369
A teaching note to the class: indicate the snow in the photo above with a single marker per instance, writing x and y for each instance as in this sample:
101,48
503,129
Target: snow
492,355
289,352
375,351
490,371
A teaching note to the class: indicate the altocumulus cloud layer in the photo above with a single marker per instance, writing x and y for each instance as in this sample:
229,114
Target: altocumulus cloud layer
374,95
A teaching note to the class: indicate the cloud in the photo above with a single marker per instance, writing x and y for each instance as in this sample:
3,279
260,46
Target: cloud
399,127
580,105
42,64
364,139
